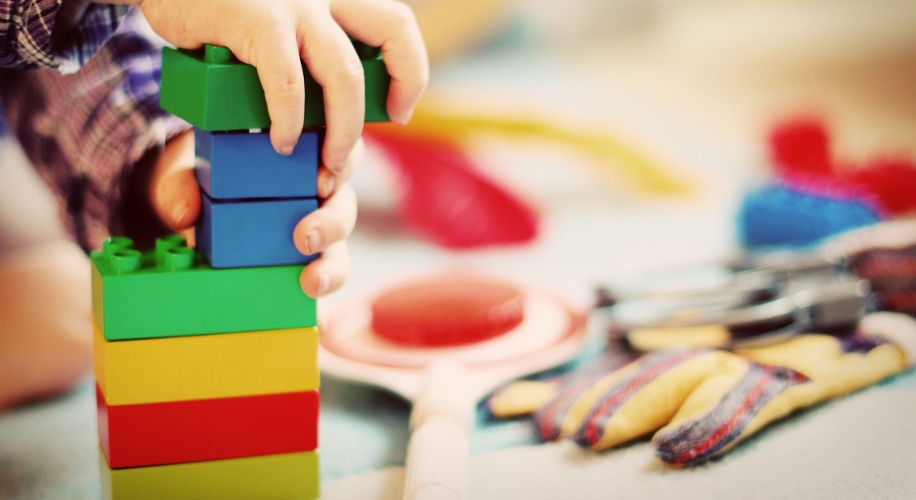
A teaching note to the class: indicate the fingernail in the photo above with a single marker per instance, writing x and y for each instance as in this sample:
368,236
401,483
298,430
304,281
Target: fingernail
314,241
179,212
286,150
403,118
328,183
324,281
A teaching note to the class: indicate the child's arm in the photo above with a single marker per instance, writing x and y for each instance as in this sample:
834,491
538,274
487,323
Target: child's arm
89,155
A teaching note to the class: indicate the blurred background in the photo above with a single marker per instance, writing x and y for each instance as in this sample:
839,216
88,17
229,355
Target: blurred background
688,92
726,66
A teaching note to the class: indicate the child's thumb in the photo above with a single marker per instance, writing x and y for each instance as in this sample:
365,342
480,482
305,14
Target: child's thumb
177,199
174,193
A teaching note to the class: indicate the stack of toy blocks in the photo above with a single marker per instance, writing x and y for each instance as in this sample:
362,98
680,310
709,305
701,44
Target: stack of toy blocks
206,360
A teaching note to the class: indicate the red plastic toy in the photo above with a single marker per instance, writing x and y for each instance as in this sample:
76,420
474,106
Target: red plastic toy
447,200
449,312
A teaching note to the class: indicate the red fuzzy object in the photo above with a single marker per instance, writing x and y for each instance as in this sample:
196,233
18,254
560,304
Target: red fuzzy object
889,183
447,200
801,147
800,152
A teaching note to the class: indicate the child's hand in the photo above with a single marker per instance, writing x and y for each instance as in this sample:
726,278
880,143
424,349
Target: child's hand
274,35
175,196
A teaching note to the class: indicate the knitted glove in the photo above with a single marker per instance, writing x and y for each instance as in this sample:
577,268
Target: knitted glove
700,403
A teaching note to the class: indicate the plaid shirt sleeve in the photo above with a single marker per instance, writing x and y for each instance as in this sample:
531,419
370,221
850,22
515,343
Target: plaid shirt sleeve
26,28
85,131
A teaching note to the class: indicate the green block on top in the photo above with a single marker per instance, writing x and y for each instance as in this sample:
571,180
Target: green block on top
210,89
171,291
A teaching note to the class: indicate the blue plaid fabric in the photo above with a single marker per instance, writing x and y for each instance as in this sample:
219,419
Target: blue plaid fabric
26,27
85,109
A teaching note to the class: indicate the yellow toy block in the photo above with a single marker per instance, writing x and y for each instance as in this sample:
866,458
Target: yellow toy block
206,366
291,476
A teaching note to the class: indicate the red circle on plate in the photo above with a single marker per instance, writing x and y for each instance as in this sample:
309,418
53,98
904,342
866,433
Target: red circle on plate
447,312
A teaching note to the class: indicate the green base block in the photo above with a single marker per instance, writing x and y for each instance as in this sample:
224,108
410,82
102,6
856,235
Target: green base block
172,292
292,476
214,92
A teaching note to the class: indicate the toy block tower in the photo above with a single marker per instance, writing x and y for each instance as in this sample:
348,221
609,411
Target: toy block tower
206,359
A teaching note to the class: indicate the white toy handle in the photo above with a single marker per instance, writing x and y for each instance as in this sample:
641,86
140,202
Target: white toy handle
438,452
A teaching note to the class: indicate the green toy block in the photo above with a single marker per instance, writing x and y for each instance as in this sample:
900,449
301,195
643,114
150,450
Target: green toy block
377,83
171,291
281,477
213,91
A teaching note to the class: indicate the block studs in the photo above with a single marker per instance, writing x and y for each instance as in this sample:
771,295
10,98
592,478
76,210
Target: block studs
218,55
173,254
124,261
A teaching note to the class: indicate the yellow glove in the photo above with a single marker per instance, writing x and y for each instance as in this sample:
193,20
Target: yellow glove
700,402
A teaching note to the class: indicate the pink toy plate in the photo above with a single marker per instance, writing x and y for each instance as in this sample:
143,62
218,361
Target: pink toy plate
445,384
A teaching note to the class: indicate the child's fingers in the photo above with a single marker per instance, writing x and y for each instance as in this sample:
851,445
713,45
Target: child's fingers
174,193
329,224
276,56
263,34
328,273
391,25
329,181
332,61
178,198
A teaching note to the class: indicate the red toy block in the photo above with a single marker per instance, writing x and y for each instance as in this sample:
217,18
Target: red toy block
207,429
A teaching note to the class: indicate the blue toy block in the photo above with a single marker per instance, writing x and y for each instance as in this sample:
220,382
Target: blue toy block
252,233
234,165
